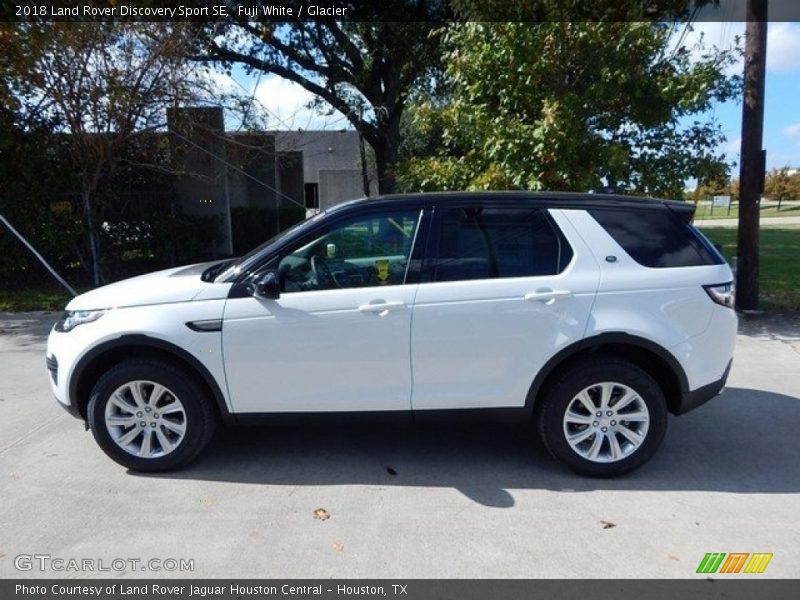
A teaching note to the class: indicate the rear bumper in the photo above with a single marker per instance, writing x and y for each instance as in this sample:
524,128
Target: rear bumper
700,396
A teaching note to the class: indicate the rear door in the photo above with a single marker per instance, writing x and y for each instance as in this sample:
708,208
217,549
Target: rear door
505,288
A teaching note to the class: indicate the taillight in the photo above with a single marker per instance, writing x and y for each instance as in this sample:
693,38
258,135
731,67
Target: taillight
722,293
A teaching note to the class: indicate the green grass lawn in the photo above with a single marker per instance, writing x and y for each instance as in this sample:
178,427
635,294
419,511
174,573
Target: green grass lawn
45,298
704,211
779,269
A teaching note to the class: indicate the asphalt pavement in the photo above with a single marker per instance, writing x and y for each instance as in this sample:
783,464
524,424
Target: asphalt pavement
396,502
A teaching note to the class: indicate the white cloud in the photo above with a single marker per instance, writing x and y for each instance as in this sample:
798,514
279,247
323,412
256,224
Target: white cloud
223,82
783,43
712,34
288,105
792,131
783,47
732,147
211,83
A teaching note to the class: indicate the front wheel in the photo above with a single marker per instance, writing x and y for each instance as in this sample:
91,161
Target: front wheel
603,418
148,415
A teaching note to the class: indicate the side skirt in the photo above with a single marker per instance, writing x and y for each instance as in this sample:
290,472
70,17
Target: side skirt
402,417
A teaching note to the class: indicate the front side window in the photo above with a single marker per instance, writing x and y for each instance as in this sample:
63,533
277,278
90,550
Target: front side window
487,243
364,251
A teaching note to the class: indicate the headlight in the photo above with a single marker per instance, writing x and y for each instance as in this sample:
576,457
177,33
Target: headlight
73,318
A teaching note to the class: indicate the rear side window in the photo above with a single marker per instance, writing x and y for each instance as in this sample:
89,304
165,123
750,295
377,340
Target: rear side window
487,243
655,238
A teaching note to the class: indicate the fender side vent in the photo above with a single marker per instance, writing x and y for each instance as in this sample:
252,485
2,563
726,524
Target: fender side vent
205,326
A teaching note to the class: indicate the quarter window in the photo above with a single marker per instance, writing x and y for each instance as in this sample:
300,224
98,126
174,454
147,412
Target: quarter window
487,243
655,238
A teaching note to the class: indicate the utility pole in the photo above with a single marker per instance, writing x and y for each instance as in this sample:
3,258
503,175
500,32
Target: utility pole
752,161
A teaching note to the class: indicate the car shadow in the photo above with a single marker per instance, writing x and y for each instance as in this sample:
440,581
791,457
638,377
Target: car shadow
28,328
744,441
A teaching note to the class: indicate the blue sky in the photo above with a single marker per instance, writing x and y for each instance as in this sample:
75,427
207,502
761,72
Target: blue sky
286,103
782,108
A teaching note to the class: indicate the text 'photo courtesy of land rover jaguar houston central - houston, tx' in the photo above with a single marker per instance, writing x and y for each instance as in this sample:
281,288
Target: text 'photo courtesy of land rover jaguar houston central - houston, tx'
592,315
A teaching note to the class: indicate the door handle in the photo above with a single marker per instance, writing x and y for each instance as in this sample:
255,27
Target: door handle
547,296
381,308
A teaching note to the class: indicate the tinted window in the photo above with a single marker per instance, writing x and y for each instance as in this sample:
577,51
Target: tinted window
485,243
654,238
359,252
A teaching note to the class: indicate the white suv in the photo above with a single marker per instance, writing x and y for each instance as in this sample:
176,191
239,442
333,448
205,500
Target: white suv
594,315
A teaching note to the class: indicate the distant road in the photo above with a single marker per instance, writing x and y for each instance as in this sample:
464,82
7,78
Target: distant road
765,221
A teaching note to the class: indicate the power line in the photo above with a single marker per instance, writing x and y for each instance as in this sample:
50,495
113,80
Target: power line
235,168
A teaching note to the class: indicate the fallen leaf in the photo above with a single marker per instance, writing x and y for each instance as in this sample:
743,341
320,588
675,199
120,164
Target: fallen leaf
608,524
673,557
337,546
391,471
322,514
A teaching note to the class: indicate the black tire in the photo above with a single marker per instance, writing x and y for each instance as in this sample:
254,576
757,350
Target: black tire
558,397
201,419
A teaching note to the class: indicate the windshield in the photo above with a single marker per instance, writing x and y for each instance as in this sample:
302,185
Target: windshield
238,264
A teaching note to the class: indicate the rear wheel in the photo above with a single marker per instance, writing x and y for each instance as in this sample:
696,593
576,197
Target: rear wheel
148,415
603,418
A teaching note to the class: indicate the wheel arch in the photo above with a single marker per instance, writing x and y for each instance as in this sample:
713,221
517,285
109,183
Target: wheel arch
104,356
657,361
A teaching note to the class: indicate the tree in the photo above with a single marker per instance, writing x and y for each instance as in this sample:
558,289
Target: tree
572,106
100,86
366,70
724,186
782,184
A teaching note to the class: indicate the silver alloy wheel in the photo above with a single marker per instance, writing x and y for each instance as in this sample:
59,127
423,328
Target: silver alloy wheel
145,419
606,422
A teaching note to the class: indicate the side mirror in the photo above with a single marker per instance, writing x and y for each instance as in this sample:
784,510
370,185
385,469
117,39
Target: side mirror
268,286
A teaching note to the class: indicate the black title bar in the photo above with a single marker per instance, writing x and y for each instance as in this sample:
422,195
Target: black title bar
389,10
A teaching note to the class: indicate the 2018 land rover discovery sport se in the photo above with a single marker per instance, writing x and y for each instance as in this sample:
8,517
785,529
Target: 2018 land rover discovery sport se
594,315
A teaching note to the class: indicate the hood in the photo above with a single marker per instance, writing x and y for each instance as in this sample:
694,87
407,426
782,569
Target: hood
180,284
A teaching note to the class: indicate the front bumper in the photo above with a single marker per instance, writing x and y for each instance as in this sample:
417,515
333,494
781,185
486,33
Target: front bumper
62,354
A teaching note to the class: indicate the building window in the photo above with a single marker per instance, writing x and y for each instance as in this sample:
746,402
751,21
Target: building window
312,195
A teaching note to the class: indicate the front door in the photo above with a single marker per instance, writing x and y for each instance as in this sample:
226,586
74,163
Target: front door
337,338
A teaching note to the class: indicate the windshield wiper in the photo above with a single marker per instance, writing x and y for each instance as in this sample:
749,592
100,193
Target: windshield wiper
211,272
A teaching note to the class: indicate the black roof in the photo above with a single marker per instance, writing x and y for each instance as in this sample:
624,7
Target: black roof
548,199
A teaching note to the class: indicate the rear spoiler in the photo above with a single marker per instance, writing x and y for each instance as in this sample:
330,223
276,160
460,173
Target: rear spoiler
683,210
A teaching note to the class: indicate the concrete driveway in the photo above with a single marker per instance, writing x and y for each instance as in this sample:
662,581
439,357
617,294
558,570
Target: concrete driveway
433,502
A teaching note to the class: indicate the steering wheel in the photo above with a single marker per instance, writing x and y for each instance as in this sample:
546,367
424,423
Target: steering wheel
322,273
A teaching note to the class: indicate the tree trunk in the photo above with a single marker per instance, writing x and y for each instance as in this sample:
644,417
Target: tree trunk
386,155
94,258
